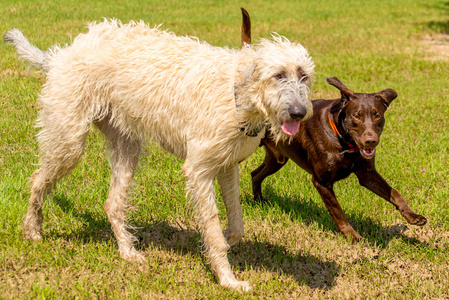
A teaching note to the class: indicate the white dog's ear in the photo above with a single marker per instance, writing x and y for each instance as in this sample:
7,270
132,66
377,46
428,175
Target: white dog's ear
249,92
249,74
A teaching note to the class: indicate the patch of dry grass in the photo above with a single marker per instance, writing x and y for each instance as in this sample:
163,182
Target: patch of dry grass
437,46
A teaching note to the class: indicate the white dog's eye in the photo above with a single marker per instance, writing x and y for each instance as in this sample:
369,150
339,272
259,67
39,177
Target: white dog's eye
280,76
301,75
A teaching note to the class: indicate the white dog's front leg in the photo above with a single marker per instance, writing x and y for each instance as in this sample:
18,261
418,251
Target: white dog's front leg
229,183
201,185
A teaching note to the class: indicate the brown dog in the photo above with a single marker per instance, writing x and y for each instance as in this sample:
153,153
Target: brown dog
339,139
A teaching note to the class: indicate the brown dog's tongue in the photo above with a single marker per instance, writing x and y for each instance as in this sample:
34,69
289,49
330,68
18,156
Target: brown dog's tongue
291,128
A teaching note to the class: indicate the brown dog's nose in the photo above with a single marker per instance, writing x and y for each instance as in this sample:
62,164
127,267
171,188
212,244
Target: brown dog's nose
297,112
371,142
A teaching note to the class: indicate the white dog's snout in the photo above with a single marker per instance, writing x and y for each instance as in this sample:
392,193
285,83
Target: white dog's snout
298,93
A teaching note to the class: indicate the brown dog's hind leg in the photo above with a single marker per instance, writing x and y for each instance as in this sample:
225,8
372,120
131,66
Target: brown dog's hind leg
336,212
273,162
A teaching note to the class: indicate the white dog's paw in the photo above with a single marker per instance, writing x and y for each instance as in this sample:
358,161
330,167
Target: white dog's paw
133,256
32,235
232,237
231,282
243,286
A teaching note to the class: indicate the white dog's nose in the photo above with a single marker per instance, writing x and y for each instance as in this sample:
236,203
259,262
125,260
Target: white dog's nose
297,113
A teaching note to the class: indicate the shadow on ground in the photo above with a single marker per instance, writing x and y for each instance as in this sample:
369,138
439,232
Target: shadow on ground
247,254
257,255
306,269
439,26
309,212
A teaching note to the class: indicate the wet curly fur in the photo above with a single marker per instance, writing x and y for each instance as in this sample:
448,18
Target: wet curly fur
136,83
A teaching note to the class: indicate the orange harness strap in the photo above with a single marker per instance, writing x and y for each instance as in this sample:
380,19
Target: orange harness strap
351,147
334,128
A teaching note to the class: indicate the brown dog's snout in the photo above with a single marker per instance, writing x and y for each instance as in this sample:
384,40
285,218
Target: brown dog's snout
371,140
297,113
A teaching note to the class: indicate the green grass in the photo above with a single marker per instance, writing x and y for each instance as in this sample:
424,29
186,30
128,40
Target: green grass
291,248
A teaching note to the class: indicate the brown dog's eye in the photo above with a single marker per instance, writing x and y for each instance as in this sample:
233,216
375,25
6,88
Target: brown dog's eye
280,76
376,114
304,78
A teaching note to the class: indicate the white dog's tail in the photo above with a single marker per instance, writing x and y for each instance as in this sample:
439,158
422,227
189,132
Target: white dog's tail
25,50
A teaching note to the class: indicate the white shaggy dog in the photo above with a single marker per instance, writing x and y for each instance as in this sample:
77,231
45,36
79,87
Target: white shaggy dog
207,105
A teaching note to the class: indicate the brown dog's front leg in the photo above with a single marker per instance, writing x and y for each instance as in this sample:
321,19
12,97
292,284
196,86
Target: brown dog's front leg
335,210
374,182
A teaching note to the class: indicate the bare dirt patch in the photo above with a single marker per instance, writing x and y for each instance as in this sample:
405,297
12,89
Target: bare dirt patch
436,46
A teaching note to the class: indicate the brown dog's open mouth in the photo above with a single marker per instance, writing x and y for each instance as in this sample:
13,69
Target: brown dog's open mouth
367,153
290,127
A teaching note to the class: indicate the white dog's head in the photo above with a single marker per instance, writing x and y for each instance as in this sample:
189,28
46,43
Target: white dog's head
278,84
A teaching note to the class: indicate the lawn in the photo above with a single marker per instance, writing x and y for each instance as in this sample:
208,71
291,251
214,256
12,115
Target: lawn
291,248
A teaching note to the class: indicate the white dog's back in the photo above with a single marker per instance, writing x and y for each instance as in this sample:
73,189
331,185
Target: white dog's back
122,68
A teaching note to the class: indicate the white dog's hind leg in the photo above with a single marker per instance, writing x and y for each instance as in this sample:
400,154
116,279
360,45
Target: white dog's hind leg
124,158
61,145
229,183
201,184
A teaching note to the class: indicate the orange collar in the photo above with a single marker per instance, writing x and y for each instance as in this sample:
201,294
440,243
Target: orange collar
351,147
334,128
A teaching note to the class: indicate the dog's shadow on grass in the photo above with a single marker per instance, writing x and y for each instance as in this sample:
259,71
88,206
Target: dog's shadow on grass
252,254
309,212
95,225
247,254
173,237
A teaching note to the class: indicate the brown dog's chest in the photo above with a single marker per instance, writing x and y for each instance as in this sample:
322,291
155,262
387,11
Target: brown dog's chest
336,166
342,168
325,164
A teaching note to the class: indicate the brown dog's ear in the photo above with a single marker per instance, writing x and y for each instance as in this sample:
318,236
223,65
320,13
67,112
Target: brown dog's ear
387,96
346,93
246,28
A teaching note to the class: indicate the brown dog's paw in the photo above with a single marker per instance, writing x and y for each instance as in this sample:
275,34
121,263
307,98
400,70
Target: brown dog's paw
259,198
415,219
419,221
351,235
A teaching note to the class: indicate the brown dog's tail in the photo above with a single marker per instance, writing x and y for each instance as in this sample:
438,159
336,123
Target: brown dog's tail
246,28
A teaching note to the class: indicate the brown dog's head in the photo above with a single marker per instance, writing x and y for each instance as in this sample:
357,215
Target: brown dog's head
361,116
